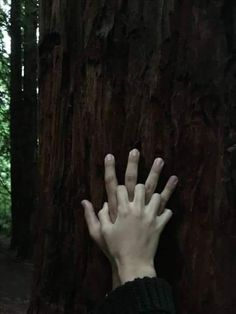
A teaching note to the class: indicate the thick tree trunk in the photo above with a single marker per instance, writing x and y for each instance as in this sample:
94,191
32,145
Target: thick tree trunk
158,76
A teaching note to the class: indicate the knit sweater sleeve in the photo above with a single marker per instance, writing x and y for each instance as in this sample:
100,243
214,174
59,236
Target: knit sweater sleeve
148,295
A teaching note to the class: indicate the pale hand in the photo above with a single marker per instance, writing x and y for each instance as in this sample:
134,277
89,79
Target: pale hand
130,182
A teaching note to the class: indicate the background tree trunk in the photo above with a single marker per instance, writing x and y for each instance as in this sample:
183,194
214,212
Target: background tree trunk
15,116
158,76
23,124
29,129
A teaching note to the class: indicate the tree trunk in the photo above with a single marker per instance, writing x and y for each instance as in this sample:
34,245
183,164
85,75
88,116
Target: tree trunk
23,125
29,129
158,76
15,116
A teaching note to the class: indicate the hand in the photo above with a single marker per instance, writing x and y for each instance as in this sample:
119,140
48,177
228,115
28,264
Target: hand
133,239
130,182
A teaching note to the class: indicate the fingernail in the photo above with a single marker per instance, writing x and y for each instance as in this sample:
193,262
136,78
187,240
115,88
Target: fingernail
174,180
159,162
84,203
134,152
109,157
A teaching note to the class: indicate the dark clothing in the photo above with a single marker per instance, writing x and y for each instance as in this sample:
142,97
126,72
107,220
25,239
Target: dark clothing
148,295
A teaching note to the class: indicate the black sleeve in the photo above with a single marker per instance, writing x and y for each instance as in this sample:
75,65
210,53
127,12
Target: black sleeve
148,295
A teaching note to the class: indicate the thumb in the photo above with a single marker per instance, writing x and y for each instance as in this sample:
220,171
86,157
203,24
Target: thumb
164,218
104,216
90,217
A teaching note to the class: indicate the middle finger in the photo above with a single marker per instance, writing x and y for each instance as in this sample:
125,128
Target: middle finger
132,173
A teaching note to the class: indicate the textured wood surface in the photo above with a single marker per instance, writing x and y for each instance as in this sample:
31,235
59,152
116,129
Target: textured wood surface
158,76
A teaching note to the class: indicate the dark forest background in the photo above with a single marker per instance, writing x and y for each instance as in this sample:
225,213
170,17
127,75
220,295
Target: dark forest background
87,77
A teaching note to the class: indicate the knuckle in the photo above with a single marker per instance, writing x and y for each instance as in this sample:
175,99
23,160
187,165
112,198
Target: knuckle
109,178
123,211
148,219
158,227
137,213
157,196
100,212
119,208
130,177
94,232
164,199
104,229
148,187
123,214
120,188
140,186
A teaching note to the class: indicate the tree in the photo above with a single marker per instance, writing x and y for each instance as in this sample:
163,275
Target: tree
29,128
5,215
15,115
158,76
23,109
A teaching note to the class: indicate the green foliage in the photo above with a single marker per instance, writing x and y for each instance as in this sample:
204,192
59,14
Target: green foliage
5,197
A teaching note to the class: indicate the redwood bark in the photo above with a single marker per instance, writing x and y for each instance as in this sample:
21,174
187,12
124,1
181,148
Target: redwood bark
158,76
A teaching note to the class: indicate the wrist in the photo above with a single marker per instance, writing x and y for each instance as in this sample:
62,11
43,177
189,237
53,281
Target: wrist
115,275
128,272
115,279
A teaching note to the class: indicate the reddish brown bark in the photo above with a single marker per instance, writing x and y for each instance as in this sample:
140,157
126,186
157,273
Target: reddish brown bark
158,76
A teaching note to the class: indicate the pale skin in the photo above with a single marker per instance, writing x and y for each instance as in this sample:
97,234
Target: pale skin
130,198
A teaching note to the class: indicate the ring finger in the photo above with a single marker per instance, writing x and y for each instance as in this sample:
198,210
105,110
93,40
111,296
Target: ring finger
152,180
167,192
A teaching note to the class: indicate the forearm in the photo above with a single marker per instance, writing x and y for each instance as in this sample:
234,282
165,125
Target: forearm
136,292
